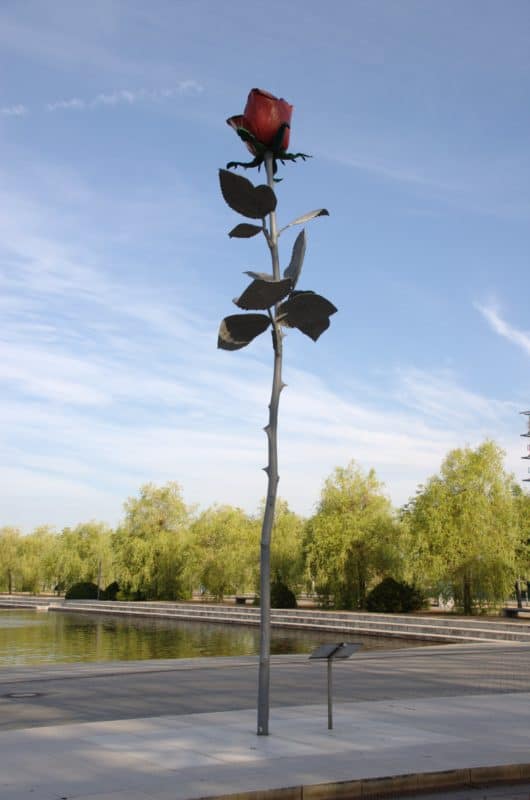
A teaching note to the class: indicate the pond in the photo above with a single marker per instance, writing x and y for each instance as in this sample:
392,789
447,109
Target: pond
32,637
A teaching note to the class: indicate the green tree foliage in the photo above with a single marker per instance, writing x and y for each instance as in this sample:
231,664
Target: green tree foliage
38,568
353,539
287,554
83,554
225,551
10,562
151,548
521,502
467,531
287,558
463,528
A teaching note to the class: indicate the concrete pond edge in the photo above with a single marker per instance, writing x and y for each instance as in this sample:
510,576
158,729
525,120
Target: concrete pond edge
392,785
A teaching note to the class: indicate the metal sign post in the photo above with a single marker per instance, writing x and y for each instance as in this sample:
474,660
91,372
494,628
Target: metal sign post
330,695
330,652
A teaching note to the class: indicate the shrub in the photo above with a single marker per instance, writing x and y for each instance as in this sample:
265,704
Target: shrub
282,596
391,596
85,590
127,594
111,592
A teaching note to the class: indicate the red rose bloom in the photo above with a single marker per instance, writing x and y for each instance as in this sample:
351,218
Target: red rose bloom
262,117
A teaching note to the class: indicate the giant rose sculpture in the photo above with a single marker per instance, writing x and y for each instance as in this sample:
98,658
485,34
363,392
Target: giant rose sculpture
274,301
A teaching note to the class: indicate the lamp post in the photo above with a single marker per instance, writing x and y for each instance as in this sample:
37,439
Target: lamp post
527,435
526,457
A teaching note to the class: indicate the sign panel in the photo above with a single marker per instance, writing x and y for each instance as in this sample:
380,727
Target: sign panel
339,650
324,651
346,650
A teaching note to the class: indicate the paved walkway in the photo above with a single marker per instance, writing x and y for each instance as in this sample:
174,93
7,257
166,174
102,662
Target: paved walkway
204,755
109,691
177,730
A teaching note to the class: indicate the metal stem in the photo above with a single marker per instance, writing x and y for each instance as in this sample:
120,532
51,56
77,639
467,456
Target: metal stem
272,473
330,695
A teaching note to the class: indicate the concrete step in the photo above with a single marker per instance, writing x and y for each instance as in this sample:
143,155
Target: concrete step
343,622
376,625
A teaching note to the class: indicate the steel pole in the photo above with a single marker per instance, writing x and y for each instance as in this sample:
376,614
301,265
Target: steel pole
271,429
330,695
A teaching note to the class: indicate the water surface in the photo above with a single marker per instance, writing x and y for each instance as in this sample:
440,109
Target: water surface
33,637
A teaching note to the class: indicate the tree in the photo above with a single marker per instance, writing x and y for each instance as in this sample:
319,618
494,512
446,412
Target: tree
225,550
521,502
463,530
287,554
352,539
287,560
38,560
151,547
84,554
10,539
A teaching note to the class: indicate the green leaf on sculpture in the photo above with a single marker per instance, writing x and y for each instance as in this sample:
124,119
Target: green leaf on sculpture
245,231
307,311
244,135
297,258
238,330
262,294
245,198
319,212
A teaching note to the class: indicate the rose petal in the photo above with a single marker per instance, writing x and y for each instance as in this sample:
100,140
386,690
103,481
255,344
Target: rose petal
235,122
264,114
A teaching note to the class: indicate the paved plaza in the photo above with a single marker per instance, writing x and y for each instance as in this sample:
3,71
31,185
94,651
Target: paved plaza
171,730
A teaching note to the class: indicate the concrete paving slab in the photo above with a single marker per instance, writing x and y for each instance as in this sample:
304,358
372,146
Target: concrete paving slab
199,755
154,689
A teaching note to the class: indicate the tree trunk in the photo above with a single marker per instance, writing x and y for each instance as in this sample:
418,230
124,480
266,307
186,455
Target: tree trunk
518,593
467,596
361,578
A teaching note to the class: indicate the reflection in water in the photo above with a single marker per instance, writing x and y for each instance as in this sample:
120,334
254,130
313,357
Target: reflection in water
29,637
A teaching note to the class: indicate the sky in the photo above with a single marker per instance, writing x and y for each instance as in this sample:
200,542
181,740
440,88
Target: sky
116,268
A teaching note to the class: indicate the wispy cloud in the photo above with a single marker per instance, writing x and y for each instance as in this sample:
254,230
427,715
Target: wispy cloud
111,99
499,325
108,383
127,389
126,97
387,169
14,111
439,397
453,178
75,38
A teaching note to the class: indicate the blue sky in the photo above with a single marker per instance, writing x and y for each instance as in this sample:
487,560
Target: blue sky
116,269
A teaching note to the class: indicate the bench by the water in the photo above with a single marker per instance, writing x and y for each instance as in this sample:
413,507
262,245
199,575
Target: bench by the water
514,612
241,599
